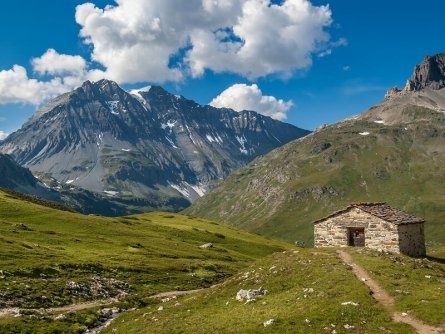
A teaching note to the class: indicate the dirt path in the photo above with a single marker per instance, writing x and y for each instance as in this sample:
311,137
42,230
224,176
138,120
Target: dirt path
385,299
11,312
175,293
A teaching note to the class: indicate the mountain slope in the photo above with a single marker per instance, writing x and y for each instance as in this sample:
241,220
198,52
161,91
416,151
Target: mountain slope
52,258
147,147
307,292
394,152
18,178
19,182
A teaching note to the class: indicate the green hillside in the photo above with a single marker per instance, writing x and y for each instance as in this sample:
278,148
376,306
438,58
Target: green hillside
308,292
52,258
361,159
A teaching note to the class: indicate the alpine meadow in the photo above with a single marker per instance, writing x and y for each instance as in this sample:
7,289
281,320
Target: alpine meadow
222,166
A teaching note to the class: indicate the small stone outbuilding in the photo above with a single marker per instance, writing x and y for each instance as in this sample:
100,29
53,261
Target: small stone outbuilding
373,225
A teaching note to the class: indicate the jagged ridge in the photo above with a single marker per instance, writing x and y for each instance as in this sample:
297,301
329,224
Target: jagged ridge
146,145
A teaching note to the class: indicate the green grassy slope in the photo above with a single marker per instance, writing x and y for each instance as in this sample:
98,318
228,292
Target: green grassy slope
416,284
280,194
43,249
306,292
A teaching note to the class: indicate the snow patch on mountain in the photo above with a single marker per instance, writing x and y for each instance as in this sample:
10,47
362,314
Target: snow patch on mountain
113,106
242,141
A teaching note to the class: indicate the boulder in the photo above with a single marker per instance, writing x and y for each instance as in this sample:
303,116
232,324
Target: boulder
250,295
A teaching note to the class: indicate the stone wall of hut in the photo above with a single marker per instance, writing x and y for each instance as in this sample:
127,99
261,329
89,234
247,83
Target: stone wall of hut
412,239
379,234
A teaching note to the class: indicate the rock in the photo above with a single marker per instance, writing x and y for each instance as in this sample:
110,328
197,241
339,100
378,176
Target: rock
206,246
308,290
22,226
351,303
321,127
161,308
428,276
250,295
391,92
429,73
97,287
268,322
347,326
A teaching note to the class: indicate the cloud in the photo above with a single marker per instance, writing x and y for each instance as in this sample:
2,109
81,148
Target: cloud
64,72
163,40
244,97
17,87
331,46
169,40
265,39
53,63
346,68
3,135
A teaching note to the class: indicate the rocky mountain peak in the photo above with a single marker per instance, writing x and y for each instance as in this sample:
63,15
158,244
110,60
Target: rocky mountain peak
146,146
101,88
429,73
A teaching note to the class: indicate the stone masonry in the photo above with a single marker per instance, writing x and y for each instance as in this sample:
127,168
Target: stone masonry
394,231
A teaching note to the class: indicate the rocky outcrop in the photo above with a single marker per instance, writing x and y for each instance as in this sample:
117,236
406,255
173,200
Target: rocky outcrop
391,92
429,73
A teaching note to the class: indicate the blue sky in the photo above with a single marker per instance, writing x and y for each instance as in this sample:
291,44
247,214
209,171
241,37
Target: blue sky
385,39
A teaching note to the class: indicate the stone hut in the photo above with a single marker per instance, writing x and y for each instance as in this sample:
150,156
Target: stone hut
373,225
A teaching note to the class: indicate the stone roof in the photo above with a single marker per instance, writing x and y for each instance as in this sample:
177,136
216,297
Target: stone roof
380,210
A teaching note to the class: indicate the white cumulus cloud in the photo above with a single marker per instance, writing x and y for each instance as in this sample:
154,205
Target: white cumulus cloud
53,63
17,87
263,39
64,72
137,40
169,40
241,97
3,135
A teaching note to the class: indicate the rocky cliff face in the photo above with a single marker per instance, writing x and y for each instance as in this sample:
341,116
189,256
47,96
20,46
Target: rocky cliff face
425,89
429,73
145,145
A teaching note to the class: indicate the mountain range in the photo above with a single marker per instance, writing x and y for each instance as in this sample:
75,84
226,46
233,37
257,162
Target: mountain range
138,150
393,152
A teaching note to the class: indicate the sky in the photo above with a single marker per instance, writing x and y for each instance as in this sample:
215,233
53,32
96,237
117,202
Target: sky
303,62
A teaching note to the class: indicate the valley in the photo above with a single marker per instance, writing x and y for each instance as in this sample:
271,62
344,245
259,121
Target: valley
52,258
157,177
